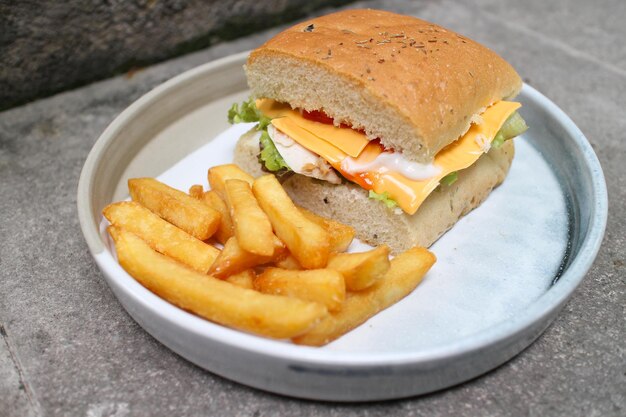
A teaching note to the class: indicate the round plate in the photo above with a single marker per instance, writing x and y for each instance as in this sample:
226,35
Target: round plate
503,272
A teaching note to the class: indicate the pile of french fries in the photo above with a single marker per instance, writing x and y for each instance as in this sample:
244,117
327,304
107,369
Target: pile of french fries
244,255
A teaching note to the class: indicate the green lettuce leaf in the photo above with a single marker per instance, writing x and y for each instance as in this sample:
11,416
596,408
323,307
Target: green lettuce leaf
450,178
384,197
269,156
247,113
514,126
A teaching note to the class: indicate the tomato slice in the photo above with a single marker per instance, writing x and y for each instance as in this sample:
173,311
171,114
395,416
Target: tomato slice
321,117
365,179
317,116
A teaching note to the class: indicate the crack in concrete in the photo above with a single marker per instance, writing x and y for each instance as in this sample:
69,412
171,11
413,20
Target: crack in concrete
30,395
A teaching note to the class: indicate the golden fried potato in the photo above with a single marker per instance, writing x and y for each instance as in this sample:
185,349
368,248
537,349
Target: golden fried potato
406,272
361,269
252,227
341,235
213,299
289,262
308,242
226,229
233,259
218,175
178,208
323,286
244,279
196,191
161,235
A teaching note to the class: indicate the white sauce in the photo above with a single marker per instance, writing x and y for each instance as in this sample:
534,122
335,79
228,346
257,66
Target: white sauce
392,162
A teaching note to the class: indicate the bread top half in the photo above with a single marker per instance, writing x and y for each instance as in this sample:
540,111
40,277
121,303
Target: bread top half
411,83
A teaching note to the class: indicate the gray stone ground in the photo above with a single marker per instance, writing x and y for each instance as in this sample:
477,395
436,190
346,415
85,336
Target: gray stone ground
68,347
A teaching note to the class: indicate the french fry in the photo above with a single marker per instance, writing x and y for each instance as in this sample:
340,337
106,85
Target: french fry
307,242
341,235
309,291
233,259
161,235
323,286
252,227
405,273
189,214
218,175
196,191
216,300
244,279
361,269
226,229
288,263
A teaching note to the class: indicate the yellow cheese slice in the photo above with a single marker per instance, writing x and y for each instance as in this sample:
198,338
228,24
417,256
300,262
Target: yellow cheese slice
310,141
409,194
349,141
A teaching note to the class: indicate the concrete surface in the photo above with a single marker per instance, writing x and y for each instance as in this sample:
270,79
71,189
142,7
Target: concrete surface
48,47
68,347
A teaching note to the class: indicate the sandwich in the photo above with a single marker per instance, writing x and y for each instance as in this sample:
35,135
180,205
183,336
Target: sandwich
388,123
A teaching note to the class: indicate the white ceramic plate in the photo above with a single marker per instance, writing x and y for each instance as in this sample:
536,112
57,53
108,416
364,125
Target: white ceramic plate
503,271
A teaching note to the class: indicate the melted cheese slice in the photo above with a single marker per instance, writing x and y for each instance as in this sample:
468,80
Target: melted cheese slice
312,142
347,140
409,194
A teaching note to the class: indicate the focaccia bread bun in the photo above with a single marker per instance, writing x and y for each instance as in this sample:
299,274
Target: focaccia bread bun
411,83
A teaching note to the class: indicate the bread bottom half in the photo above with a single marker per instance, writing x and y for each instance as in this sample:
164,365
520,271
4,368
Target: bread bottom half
376,224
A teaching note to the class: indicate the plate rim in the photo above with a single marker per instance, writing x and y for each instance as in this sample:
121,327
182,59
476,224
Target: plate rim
544,306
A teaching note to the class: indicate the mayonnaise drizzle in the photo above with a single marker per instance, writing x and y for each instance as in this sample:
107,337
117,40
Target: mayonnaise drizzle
392,162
